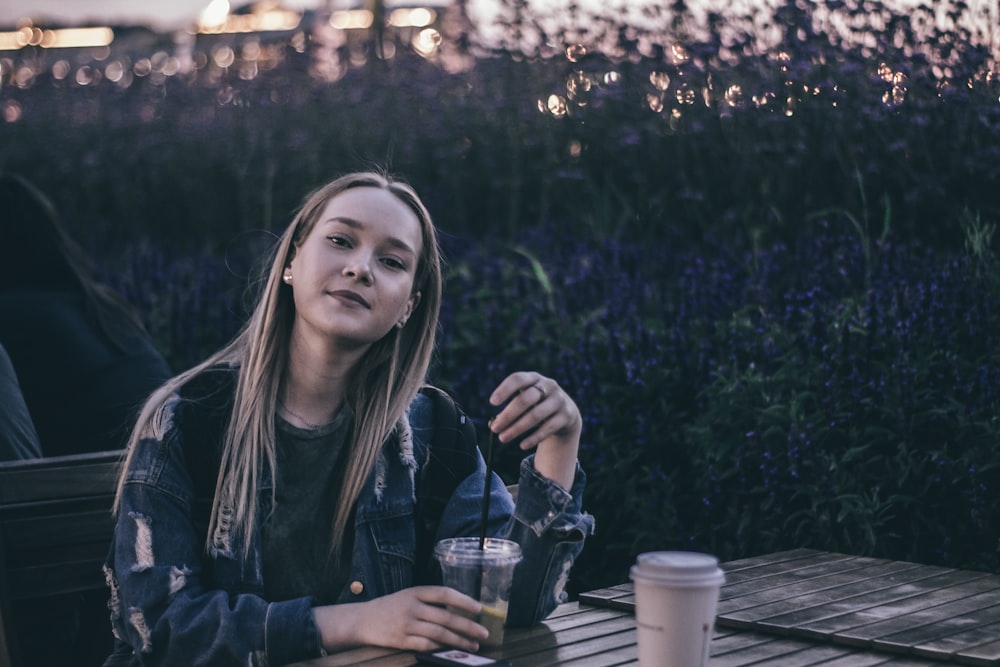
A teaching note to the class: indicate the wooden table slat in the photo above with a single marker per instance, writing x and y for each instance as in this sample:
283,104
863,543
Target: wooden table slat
804,609
398,659
358,656
569,635
743,595
984,654
941,627
859,660
580,619
615,597
775,649
623,655
947,637
610,592
959,645
908,613
810,655
759,570
766,559
727,640
572,646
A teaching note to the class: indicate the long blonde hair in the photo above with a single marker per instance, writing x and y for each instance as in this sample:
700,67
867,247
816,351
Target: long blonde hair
384,383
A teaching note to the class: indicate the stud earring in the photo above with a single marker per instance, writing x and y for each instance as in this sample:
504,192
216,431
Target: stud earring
288,277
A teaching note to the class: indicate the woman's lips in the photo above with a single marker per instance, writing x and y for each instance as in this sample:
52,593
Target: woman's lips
353,297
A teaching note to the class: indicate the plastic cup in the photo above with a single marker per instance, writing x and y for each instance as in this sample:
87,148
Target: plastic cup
484,575
676,598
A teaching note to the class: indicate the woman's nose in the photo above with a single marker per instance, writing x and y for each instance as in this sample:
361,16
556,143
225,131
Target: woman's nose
358,268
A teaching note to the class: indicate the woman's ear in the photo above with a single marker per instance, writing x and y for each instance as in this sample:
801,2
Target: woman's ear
411,305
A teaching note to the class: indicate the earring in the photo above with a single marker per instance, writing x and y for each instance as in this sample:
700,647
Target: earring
288,277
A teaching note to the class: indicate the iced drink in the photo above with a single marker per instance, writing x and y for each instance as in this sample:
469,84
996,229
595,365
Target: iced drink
482,574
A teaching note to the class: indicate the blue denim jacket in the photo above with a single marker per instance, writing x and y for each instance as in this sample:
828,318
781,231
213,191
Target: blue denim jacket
173,604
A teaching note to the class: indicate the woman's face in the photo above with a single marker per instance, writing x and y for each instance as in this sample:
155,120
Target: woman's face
352,277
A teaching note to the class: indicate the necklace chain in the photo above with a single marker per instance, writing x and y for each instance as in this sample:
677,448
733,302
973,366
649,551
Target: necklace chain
302,419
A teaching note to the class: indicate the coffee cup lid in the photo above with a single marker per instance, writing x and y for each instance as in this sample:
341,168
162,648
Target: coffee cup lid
678,568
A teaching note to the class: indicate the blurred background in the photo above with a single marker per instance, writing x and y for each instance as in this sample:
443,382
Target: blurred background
756,242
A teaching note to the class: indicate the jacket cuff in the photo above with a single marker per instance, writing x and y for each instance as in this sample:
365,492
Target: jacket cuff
290,632
541,503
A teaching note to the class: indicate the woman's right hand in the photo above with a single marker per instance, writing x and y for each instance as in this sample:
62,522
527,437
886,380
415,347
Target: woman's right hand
414,619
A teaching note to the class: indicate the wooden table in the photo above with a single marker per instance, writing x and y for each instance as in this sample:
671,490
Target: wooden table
791,609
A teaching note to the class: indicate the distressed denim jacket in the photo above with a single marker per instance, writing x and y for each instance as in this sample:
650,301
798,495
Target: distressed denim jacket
173,604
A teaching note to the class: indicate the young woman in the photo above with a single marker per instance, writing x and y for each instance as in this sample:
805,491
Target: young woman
280,500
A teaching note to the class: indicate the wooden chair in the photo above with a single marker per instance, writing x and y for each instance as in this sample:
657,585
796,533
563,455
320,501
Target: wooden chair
55,530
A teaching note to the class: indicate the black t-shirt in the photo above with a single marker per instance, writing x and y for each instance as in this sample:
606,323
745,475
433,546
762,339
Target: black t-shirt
298,532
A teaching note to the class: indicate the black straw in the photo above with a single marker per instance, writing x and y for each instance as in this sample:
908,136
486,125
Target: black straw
486,492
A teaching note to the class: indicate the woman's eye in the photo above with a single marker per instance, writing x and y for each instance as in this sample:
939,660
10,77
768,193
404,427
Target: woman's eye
339,241
394,263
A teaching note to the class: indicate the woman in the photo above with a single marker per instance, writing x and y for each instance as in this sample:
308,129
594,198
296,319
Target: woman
268,510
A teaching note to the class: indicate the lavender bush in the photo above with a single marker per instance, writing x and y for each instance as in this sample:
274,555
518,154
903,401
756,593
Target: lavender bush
750,401
758,251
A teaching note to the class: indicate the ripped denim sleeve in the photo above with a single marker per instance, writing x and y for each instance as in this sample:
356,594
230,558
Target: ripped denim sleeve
166,608
551,527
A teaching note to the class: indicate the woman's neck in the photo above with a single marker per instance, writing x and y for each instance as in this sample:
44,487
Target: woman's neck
314,386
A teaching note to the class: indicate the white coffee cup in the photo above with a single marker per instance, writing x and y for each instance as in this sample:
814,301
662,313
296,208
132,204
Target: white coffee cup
676,598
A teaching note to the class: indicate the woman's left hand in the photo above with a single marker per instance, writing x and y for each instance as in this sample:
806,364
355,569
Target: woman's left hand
538,409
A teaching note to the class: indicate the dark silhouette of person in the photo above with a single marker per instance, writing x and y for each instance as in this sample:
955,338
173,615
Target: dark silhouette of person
76,365
82,359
